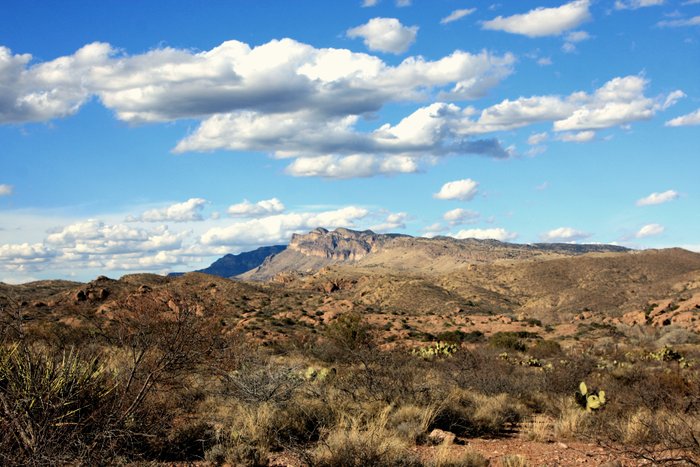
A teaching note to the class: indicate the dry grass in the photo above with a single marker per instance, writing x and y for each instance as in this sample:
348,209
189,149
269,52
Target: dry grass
514,460
446,456
355,442
539,428
570,423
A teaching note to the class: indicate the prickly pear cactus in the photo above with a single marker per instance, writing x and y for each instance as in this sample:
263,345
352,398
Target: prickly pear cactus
589,400
438,349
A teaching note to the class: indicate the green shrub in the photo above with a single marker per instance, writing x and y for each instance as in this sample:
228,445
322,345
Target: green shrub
54,408
507,341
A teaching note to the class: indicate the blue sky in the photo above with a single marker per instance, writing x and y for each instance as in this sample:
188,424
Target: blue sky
140,137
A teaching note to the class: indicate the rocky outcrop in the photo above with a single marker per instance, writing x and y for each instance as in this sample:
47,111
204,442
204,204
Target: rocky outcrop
307,253
338,245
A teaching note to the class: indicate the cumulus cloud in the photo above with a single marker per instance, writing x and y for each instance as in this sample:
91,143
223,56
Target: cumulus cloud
368,3
543,21
50,89
6,190
658,198
353,166
564,234
460,216
334,148
650,230
279,76
679,23
259,209
457,14
618,102
463,190
578,137
385,35
496,233
636,4
188,211
279,228
24,257
94,237
393,222
693,118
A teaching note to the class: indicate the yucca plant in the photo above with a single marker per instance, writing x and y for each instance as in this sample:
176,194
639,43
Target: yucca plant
52,407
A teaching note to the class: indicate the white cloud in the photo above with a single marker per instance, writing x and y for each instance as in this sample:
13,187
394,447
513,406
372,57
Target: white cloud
636,4
578,137
393,222
693,118
460,216
572,38
368,3
679,23
403,3
672,98
658,198
279,76
650,230
259,209
94,237
24,256
564,234
496,233
537,138
385,35
577,36
543,21
618,102
334,148
50,89
189,211
457,14
544,61
6,190
463,190
279,228
352,166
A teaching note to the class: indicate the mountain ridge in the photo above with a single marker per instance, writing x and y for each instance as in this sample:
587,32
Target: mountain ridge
307,253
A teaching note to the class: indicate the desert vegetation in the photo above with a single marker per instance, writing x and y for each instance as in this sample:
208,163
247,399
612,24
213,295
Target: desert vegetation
158,380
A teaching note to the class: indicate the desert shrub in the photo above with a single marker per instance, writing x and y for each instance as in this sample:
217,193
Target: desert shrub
458,336
411,422
189,441
445,456
565,374
545,349
358,443
507,341
471,414
55,408
483,371
257,382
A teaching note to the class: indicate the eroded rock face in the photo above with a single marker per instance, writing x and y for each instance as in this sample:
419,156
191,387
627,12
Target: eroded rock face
340,244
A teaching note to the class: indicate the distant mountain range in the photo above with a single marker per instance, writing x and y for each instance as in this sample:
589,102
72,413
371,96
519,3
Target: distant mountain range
233,265
308,253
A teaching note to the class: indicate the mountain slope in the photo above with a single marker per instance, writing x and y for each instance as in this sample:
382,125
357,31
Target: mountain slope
233,265
366,249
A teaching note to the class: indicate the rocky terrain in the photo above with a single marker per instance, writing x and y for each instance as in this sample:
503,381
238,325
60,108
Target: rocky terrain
412,255
349,344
